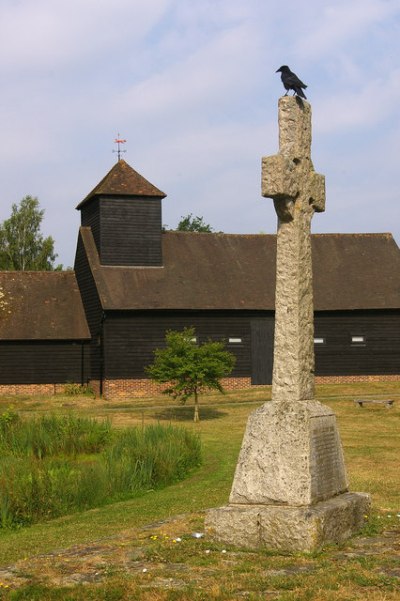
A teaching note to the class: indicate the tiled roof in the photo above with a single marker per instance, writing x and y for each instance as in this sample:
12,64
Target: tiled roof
122,180
41,305
229,271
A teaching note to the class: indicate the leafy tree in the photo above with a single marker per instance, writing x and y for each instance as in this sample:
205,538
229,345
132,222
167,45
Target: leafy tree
193,224
188,368
22,246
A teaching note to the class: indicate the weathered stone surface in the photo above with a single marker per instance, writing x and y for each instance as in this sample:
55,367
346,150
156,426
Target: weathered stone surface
294,128
291,455
279,177
293,371
289,178
289,528
290,485
316,191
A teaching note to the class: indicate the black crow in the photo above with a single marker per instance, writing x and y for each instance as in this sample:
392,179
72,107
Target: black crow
291,81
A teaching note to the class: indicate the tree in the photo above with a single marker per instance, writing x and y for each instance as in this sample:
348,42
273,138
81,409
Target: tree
22,246
188,368
193,224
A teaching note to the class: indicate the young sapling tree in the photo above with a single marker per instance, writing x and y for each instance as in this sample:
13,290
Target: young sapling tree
188,369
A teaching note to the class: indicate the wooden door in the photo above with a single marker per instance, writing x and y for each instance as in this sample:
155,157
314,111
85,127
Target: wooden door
262,350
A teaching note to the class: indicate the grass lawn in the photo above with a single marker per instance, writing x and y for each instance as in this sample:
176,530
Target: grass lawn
148,565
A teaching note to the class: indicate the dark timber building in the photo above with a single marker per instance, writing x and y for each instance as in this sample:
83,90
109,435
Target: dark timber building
132,282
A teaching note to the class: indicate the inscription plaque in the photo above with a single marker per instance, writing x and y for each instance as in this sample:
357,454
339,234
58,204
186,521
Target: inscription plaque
328,475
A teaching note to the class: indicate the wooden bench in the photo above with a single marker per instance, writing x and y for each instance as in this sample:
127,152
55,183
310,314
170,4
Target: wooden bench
387,402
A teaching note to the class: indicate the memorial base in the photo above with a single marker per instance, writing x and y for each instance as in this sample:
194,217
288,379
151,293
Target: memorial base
284,528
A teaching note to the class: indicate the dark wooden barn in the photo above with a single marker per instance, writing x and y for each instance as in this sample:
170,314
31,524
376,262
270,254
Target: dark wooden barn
133,282
137,282
44,337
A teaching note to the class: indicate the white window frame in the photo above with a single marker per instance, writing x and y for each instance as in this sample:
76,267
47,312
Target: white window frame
358,340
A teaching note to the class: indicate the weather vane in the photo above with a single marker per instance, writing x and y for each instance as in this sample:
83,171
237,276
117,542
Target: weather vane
118,140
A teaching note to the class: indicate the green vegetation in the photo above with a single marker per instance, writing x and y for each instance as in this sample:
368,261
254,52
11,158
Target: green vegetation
129,549
193,224
22,246
73,389
51,435
188,368
51,466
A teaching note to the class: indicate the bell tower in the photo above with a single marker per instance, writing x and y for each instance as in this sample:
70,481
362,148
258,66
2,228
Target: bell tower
124,214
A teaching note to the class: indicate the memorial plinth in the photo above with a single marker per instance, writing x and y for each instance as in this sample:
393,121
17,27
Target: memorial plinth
290,489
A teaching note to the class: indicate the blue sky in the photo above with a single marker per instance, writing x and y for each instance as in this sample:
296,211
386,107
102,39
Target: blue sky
191,85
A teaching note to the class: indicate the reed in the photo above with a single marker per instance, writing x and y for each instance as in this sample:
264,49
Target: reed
52,435
56,465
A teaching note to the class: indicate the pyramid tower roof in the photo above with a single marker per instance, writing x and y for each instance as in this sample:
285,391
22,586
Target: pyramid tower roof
122,180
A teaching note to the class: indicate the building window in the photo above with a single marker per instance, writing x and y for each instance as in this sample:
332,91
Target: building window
358,340
235,340
319,340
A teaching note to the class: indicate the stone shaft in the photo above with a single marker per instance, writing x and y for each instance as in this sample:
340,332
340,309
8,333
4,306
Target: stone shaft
289,178
293,371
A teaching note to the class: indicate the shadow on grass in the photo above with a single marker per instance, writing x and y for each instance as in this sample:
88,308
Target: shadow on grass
183,414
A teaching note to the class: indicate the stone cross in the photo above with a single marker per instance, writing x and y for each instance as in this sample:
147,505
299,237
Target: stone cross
290,489
298,191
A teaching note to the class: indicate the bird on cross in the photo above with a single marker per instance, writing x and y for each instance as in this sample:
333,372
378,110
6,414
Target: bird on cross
291,81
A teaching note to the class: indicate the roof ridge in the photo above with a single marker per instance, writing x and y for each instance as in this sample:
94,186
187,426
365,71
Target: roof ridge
320,234
217,233
36,271
354,234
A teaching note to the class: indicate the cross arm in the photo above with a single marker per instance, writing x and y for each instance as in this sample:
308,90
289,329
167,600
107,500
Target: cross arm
279,179
280,182
316,191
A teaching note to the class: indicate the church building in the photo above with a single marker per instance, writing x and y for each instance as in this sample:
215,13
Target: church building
132,281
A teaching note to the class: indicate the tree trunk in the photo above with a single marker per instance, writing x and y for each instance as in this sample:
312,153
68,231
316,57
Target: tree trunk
196,407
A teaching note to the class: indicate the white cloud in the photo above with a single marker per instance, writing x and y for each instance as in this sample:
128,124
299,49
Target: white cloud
376,102
192,86
343,21
211,150
210,73
43,34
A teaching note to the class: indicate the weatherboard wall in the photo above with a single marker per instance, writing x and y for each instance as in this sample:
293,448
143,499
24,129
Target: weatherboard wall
44,362
127,230
93,310
90,217
130,338
379,354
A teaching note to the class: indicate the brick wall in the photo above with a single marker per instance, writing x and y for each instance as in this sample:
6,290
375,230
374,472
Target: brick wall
124,389
350,379
120,389
30,389
236,383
